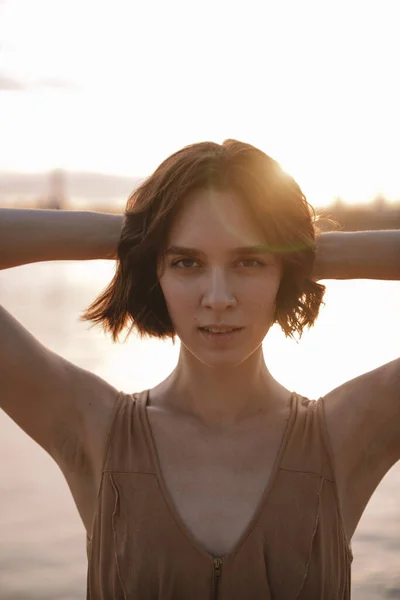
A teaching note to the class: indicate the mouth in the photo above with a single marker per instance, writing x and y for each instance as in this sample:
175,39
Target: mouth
221,331
222,336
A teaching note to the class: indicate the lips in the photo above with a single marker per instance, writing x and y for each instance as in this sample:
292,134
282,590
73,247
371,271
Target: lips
220,330
221,339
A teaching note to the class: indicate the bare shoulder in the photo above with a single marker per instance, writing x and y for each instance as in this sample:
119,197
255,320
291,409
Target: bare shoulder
79,434
363,423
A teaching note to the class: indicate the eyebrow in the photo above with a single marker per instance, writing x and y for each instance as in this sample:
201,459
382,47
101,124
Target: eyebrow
259,249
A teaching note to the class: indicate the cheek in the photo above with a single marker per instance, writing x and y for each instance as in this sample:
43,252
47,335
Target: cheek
259,300
178,297
261,306
261,290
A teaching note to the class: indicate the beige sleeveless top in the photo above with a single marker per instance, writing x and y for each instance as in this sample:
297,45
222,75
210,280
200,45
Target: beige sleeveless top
295,546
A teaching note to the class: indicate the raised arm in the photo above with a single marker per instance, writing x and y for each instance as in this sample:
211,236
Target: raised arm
64,408
358,255
28,236
362,415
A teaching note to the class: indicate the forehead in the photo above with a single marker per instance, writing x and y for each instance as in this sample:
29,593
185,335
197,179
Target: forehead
215,215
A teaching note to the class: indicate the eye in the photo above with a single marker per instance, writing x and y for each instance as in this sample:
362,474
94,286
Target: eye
180,263
254,261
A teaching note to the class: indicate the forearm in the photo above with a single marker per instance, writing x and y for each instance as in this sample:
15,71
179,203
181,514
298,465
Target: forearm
28,236
358,255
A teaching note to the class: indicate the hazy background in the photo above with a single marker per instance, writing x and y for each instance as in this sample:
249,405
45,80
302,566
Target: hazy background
93,96
114,87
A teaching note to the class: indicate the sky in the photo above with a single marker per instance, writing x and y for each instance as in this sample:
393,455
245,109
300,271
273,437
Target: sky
116,86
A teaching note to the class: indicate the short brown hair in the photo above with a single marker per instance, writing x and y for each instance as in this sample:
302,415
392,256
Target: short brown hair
134,297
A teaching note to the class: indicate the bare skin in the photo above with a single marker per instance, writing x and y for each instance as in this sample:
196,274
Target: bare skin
219,385
217,404
217,475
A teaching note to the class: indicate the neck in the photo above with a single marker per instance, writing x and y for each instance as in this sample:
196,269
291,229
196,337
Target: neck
219,396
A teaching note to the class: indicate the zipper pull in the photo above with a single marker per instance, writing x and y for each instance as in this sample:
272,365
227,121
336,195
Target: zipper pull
217,570
218,565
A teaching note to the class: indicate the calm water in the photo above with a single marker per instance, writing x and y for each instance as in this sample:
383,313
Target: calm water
42,540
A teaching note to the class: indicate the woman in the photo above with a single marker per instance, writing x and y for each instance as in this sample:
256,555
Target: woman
219,482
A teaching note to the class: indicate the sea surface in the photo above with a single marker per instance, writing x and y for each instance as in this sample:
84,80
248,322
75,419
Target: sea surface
42,539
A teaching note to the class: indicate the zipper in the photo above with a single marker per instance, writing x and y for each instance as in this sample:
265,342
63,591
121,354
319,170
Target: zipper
217,575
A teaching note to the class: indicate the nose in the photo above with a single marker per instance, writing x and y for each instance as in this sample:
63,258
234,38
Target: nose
218,293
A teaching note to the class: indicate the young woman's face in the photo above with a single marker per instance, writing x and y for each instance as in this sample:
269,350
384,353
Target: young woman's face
217,275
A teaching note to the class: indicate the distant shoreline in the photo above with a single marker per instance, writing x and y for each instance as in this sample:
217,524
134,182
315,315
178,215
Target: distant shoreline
99,192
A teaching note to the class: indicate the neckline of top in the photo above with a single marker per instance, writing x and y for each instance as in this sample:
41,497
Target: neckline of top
292,408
